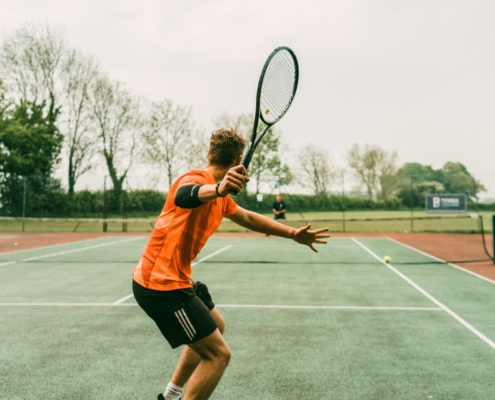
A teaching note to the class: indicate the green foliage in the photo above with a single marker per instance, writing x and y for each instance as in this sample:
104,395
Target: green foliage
303,203
30,143
146,201
44,196
416,180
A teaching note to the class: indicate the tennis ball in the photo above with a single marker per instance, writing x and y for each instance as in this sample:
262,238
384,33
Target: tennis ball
387,259
15,244
267,111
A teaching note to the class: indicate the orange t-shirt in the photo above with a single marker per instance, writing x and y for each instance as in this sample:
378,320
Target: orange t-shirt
179,235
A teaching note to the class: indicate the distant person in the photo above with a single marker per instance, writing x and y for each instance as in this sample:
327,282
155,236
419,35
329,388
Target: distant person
279,208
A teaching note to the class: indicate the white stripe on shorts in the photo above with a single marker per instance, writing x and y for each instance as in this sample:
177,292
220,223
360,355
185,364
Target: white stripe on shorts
185,323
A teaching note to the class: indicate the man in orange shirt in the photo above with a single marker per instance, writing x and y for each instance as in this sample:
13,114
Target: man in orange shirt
185,313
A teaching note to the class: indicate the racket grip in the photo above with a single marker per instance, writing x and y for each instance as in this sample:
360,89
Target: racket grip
246,159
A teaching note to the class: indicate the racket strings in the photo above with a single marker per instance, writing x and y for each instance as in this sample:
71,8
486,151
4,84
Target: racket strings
278,87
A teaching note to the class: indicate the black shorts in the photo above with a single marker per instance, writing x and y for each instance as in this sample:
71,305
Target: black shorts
181,316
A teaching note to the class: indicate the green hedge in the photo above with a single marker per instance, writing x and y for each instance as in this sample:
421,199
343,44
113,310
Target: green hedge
49,199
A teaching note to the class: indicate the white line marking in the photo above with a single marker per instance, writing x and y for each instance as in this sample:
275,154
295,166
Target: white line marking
443,261
70,251
332,307
56,245
122,299
429,296
211,255
231,306
118,302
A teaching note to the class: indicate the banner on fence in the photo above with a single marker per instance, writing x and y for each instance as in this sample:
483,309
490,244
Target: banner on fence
446,203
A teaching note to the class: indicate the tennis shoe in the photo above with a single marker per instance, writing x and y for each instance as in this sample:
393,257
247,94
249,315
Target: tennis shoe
160,397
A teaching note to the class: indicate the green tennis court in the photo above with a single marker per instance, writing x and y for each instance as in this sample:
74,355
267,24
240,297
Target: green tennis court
339,324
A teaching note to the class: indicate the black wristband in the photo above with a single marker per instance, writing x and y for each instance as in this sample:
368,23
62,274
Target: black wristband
216,189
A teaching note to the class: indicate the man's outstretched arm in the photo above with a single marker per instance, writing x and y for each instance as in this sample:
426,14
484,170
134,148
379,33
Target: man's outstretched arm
260,223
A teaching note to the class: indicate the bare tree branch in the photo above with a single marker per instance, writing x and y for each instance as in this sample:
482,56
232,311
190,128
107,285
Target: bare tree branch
316,171
119,124
170,139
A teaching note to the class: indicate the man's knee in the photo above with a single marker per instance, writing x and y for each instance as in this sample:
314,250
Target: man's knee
225,355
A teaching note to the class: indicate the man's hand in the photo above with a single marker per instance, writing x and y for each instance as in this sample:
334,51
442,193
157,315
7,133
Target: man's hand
305,236
233,180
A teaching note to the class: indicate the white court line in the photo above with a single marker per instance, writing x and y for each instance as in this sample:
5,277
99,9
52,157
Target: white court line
443,261
429,296
69,251
211,255
231,306
56,245
119,301
116,303
331,307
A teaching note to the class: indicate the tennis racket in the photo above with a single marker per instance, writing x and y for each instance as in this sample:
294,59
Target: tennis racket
276,90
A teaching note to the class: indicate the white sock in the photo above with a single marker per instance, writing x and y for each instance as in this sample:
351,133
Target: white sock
172,392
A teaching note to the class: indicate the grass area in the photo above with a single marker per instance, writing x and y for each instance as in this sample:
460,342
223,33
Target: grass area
431,224
355,221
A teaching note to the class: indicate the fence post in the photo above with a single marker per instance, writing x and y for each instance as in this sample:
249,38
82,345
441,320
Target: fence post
411,204
343,203
24,202
124,210
105,210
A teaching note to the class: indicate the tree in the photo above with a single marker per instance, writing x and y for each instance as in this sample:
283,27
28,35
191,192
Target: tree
119,125
39,66
32,60
316,170
456,179
376,169
78,117
266,165
171,142
29,147
418,180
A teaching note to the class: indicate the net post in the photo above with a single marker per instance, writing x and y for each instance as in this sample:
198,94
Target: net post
23,201
105,210
124,210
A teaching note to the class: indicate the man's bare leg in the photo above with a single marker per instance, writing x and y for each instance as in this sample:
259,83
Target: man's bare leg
189,359
215,356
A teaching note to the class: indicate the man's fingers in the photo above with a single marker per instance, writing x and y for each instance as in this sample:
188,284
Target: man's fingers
320,241
240,169
313,248
316,231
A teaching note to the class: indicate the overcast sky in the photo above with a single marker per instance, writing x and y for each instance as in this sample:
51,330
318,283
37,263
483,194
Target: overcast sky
412,76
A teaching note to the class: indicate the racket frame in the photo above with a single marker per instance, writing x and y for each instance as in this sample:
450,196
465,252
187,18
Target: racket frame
255,138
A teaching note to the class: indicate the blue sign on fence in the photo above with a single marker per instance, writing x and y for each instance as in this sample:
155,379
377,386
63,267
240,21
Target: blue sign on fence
446,203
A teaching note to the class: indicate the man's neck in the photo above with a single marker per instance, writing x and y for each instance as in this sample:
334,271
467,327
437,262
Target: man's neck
217,171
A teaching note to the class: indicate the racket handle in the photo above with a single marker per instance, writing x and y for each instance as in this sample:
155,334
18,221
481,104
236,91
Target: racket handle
246,160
